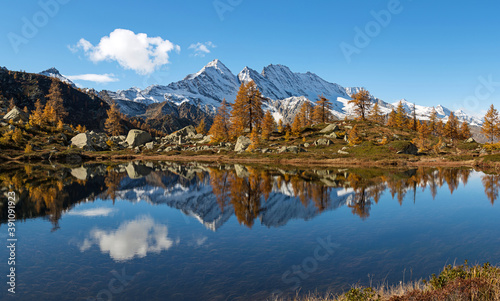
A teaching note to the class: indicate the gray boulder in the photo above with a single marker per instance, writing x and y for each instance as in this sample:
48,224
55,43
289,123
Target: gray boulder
409,149
329,129
470,140
84,141
150,145
322,142
17,115
206,139
137,138
242,144
188,131
333,135
289,149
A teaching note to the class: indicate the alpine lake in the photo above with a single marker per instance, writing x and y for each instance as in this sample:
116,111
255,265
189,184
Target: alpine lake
177,231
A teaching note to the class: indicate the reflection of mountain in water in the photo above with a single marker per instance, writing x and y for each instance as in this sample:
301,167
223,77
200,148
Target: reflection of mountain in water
212,193
199,201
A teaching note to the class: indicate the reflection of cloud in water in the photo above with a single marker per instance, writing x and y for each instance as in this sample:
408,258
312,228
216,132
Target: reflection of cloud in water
92,212
131,239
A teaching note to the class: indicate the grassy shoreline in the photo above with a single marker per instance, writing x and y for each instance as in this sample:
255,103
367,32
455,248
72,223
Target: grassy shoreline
488,162
462,282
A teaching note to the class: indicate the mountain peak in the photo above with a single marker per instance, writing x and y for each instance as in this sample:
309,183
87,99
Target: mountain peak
54,73
51,70
217,64
213,65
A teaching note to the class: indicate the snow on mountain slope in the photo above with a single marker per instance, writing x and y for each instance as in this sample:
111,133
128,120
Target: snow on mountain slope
206,88
423,113
53,72
285,91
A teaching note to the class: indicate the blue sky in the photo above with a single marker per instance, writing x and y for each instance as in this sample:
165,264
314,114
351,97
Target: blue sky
428,52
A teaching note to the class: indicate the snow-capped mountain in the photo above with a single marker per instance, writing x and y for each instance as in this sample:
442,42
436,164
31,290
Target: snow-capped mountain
53,72
443,113
284,89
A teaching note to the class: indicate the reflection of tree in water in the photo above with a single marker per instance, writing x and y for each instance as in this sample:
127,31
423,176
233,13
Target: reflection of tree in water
43,192
245,197
112,182
49,192
491,185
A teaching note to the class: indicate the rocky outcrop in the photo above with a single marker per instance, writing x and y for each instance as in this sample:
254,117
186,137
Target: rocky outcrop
409,149
16,115
138,138
290,149
242,144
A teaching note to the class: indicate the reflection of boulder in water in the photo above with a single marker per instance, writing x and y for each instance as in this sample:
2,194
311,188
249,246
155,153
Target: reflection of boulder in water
137,171
81,173
241,171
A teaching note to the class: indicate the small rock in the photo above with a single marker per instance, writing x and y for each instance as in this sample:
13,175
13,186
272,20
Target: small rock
322,142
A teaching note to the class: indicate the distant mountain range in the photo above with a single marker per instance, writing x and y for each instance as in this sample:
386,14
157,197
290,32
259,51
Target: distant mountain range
285,91
198,95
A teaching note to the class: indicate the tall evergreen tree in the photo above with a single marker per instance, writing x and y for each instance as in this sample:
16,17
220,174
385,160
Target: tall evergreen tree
221,125
391,121
414,115
490,126
55,103
362,103
202,127
376,114
433,119
451,127
113,125
247,110
280,125
36,117
296,125
464,131
306,114
401,119
322,113
439,130
268,125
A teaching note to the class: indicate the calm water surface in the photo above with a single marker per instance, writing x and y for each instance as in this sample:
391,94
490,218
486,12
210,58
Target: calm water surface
168,231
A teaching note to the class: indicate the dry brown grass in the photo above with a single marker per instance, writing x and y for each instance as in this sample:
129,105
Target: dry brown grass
464,282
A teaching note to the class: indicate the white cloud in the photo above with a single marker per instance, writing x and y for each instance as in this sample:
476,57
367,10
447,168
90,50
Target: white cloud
200,49
98,78
133,51
132,239
93,212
